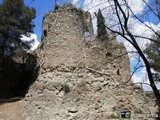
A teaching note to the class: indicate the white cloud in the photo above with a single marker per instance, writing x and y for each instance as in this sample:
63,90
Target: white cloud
92,6
32,38
140,29
135,26
137,6
75,1
139,78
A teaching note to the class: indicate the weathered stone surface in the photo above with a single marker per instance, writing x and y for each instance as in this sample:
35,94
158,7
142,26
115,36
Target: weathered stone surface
62,28
80,80
90,97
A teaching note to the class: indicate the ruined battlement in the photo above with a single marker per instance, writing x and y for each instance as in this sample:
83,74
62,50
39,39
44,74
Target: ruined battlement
63,44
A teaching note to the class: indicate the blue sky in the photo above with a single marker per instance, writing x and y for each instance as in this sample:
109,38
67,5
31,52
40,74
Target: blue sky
42,7
150,17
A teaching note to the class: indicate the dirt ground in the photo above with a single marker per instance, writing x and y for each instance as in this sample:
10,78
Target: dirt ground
12,110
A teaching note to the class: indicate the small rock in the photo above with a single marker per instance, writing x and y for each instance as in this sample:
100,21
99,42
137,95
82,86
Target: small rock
73,110
61,94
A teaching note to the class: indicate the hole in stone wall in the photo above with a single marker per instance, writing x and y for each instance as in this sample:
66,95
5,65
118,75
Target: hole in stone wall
77,20
57,6
108,54
45,33
49,26
118,72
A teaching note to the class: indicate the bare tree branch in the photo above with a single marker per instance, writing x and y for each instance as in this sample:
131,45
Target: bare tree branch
153,40
150,8
134,43
144,23
123,15
121,25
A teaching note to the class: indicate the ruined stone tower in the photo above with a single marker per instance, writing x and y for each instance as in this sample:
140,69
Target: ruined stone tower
80,80
63,44
63,32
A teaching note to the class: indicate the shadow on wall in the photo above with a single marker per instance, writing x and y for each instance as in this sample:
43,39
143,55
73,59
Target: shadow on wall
16,77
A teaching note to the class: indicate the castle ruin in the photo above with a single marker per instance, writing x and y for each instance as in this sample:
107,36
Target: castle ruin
78,79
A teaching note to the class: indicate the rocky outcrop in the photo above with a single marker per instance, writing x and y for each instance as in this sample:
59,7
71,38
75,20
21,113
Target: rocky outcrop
81,80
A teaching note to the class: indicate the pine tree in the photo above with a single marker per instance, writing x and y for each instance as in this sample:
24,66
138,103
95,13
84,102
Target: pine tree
15,20
153,54
101,30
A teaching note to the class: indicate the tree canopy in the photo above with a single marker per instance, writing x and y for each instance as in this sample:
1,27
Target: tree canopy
153,53
101,29
15,20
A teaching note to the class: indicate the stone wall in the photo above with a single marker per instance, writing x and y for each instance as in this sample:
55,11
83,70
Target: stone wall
72,95
81,80
62,28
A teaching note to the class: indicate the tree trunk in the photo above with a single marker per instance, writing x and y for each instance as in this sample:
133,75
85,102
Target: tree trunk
150,77
2,55
147,65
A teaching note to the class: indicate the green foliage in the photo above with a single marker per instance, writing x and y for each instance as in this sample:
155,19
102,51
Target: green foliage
153,54
101,30
66,88
15,20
